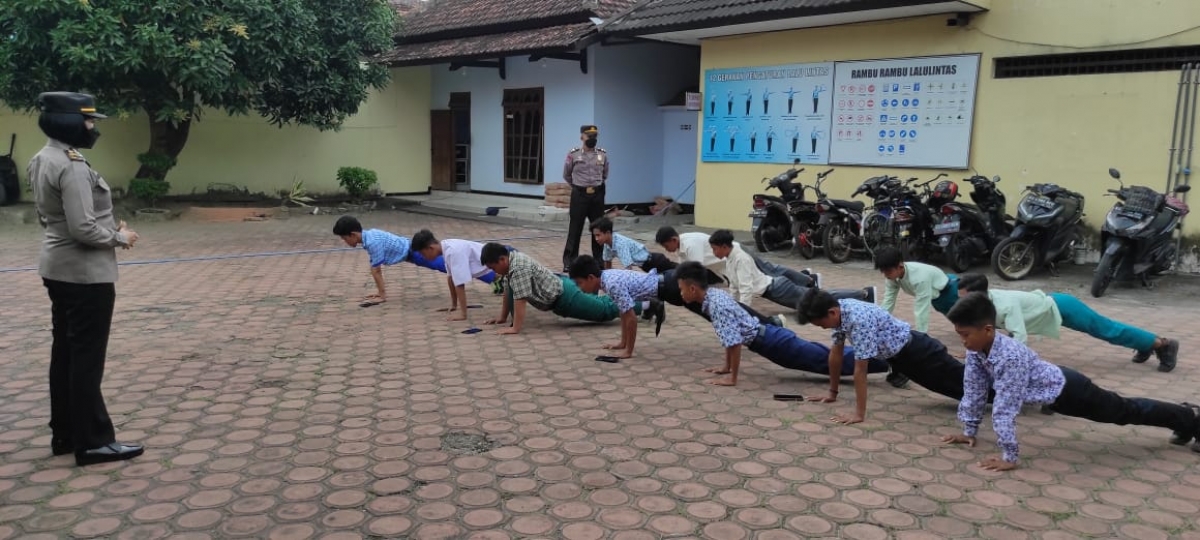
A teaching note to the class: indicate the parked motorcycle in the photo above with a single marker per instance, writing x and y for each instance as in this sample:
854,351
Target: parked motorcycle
1046,232
1138,233
877,222
772,216
840,225
969,232
913,219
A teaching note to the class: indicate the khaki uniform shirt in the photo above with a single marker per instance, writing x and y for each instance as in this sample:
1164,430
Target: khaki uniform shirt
586,167
76,209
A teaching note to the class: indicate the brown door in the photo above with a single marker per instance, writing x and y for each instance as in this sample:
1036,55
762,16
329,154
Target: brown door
442,137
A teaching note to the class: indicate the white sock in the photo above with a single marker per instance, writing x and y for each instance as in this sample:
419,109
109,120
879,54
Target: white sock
646,305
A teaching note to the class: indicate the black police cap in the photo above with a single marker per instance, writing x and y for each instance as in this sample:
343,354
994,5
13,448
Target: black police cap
68,102
589,129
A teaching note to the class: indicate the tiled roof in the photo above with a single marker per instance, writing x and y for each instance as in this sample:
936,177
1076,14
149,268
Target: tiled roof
487,46
653,16
450,15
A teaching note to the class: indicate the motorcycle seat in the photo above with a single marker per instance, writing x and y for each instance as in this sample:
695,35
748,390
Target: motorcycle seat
857,206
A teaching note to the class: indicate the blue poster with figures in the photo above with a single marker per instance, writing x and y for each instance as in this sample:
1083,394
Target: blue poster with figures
768,114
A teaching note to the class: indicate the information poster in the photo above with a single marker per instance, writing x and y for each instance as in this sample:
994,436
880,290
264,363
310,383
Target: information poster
909,112
770,114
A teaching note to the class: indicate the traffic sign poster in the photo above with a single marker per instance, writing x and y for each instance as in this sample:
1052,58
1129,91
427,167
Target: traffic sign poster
904,112
767,114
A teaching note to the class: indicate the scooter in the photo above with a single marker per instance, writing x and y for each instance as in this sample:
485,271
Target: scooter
1138,234
841,225
1046,232
877,222
969,232
776,220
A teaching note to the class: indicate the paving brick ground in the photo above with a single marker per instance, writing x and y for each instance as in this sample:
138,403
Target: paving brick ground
273,407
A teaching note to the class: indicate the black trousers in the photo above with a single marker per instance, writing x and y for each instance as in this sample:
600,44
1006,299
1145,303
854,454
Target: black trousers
1083,399
927,362
668,291
583,207
659,262
82,318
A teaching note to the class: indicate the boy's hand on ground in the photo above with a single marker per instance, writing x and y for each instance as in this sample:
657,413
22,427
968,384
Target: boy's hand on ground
457,317
495,321
722,381
445,310
507,331
960,355
614,346
847,419
996,463
717,370
822,399
959,439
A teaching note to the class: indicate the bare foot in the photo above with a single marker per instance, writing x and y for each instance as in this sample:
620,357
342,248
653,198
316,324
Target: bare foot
717,370
723,381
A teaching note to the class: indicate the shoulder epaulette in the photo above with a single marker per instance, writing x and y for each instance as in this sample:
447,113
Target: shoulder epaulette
74,155
598,149
573,150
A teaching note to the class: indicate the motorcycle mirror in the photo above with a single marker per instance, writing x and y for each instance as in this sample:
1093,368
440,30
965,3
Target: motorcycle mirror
996,179
1183,189
1114,173
796,162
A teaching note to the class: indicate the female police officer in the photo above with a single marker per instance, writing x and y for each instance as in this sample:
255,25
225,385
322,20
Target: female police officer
79,269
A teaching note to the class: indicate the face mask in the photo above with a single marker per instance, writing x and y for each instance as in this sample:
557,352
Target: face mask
89,139
590,143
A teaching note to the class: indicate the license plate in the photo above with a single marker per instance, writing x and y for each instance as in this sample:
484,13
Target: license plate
904,233
1044,202
944,241
1131,214
949,227
758,214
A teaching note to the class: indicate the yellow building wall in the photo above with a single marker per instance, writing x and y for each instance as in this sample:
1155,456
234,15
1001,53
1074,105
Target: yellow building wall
390,135
1063,129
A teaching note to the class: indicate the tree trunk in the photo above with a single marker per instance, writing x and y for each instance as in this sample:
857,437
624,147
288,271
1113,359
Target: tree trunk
165,139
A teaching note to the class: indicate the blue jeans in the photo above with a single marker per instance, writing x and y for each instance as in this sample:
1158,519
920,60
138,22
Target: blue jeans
1078,316
784,348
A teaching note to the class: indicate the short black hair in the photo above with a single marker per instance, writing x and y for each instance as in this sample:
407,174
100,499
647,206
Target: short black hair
346,225
692,272
423,239
492,252
604,224
584,266
973,283
721,237
974,310
815,304
888,257
664,234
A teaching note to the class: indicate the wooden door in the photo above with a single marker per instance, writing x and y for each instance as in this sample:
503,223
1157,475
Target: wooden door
442,139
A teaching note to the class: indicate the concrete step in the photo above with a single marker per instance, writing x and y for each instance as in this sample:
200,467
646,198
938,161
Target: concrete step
477,204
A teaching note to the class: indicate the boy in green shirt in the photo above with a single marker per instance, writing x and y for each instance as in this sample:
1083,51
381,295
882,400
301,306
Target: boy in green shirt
929,285
1023,313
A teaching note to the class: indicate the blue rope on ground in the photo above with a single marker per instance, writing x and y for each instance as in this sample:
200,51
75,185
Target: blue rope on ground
261,254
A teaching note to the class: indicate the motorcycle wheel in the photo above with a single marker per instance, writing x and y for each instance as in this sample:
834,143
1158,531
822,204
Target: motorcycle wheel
805,246
837,242
768,238
959,253
875,232
1014,259
1105,272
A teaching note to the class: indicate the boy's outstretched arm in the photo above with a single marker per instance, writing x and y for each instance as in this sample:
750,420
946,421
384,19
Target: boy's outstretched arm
377,275
518,311
628,335
860,395
504,308
733,360
836,357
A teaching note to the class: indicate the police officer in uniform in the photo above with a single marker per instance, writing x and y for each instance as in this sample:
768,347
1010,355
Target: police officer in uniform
586,170
78,266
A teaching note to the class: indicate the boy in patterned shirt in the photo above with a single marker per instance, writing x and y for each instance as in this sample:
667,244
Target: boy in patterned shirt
628,289
736,328
627,251
1019,376
528,283
387,249
877,335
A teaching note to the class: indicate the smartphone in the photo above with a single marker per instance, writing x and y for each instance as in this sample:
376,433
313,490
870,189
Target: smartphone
609,359
472,331
788,397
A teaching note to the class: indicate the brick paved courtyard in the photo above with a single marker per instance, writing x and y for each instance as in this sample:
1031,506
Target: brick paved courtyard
272,406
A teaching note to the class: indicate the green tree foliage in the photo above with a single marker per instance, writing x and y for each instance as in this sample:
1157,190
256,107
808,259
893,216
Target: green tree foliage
302,62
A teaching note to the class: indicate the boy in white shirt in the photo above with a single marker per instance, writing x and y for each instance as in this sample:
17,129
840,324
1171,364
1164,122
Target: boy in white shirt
747,281
694,246
462,265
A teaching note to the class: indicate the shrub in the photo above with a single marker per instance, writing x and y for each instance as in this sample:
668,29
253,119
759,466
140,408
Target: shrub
149,189
357,181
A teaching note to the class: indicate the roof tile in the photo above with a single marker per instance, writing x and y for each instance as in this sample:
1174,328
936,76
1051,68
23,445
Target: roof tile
665,15
488,46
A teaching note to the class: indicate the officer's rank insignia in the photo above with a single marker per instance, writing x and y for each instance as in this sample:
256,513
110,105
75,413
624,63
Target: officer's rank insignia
74,155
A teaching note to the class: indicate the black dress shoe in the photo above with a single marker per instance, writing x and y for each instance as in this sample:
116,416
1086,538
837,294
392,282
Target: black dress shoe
61,447
109,452
1167,356
897,379
1180,438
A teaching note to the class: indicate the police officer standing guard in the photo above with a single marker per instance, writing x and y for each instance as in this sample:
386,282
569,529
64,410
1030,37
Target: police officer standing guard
586,170
78,266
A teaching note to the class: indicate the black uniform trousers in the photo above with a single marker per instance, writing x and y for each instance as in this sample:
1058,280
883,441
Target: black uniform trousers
1081,398
583,206
82,318
927,362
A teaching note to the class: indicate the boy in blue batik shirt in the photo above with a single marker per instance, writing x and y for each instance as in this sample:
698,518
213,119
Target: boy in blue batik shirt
626,251
736,328
387,249
627,289
1018,376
